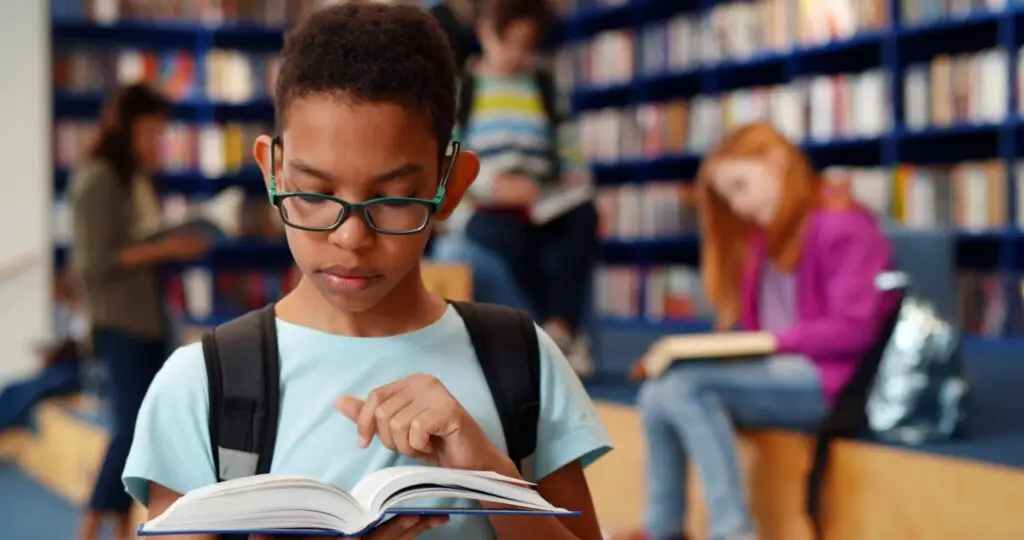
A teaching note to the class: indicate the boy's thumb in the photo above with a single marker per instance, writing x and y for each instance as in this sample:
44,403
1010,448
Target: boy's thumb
350,407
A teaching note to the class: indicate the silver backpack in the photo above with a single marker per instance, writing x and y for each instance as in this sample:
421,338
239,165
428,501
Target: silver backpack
920,387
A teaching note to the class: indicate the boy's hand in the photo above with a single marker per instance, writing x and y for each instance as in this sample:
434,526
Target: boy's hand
515,190
399,528
418,417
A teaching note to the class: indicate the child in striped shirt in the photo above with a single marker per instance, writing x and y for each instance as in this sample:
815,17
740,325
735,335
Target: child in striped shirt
509,120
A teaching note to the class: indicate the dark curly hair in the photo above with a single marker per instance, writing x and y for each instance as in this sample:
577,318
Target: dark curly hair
502,13
371,52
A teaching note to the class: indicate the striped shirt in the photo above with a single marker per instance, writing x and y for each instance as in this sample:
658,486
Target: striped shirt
509,131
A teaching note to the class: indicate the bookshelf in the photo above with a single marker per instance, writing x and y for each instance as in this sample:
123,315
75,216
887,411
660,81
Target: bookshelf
217,67
930,104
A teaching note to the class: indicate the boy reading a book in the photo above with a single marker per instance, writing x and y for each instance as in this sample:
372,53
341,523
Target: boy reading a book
509,117
375,370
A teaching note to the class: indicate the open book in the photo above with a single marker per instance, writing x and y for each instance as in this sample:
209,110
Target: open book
286,504
668,349
215,218
558,201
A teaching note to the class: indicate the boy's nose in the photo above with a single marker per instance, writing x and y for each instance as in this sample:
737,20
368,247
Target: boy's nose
352,234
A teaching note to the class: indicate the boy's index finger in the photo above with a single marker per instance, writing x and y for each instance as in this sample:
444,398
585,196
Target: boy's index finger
364,418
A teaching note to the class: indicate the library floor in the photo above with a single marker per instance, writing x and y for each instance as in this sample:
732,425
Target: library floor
28,510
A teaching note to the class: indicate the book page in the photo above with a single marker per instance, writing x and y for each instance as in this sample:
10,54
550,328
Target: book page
694,346
261,502
388,487
559,201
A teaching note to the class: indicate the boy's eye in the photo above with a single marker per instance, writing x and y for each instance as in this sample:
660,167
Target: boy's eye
405,195
394,202
313,198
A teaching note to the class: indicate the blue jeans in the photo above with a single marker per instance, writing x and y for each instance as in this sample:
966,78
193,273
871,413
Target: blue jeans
132,363
18,398
551,263
689,413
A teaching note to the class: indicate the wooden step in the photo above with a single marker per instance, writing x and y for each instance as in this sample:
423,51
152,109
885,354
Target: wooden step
68,451
873,492
14,443
65,453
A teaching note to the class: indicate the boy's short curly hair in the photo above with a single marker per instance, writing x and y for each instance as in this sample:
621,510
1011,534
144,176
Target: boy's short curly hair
502,13
371,52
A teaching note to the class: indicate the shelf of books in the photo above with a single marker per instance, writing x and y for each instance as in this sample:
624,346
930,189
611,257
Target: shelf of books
914,103
216,62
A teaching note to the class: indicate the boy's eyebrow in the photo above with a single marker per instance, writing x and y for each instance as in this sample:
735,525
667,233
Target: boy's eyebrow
397,172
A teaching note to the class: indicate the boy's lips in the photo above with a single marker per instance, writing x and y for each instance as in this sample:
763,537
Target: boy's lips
348,279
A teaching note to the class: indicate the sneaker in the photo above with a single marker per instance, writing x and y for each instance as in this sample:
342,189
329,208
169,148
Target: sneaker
578,355
561,337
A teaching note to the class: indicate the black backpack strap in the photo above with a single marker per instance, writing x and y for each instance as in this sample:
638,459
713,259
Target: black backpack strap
243,370
549,97
846,418
467,90
505,341
243,374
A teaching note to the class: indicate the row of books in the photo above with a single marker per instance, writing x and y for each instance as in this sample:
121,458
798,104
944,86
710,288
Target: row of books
213,150
969,88
822,108
918,11
735,30
270,13
983,299
970,196
673,294
254,217
221,75
656,209
660,293
200,293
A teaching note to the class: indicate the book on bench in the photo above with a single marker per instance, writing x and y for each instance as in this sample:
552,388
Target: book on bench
557,202
669,349
277,504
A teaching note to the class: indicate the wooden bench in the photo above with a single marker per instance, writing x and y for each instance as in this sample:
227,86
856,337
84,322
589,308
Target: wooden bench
451,281
873,492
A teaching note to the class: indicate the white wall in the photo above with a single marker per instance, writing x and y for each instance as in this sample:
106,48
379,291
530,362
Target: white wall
25,183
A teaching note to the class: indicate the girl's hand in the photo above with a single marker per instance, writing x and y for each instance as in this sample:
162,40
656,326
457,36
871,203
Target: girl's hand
399,528
418,417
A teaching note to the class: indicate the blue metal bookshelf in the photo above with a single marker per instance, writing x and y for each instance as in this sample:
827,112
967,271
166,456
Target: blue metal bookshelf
893,49
69,32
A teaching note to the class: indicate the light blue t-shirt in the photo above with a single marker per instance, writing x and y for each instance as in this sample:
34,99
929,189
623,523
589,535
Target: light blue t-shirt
172,447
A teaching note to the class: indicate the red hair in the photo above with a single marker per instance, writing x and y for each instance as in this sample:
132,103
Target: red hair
725,236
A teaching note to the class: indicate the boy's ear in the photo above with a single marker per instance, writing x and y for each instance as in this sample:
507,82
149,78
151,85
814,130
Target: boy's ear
466,167
261,151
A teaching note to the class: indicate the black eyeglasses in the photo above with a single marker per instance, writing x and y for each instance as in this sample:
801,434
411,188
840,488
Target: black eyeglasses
385,215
